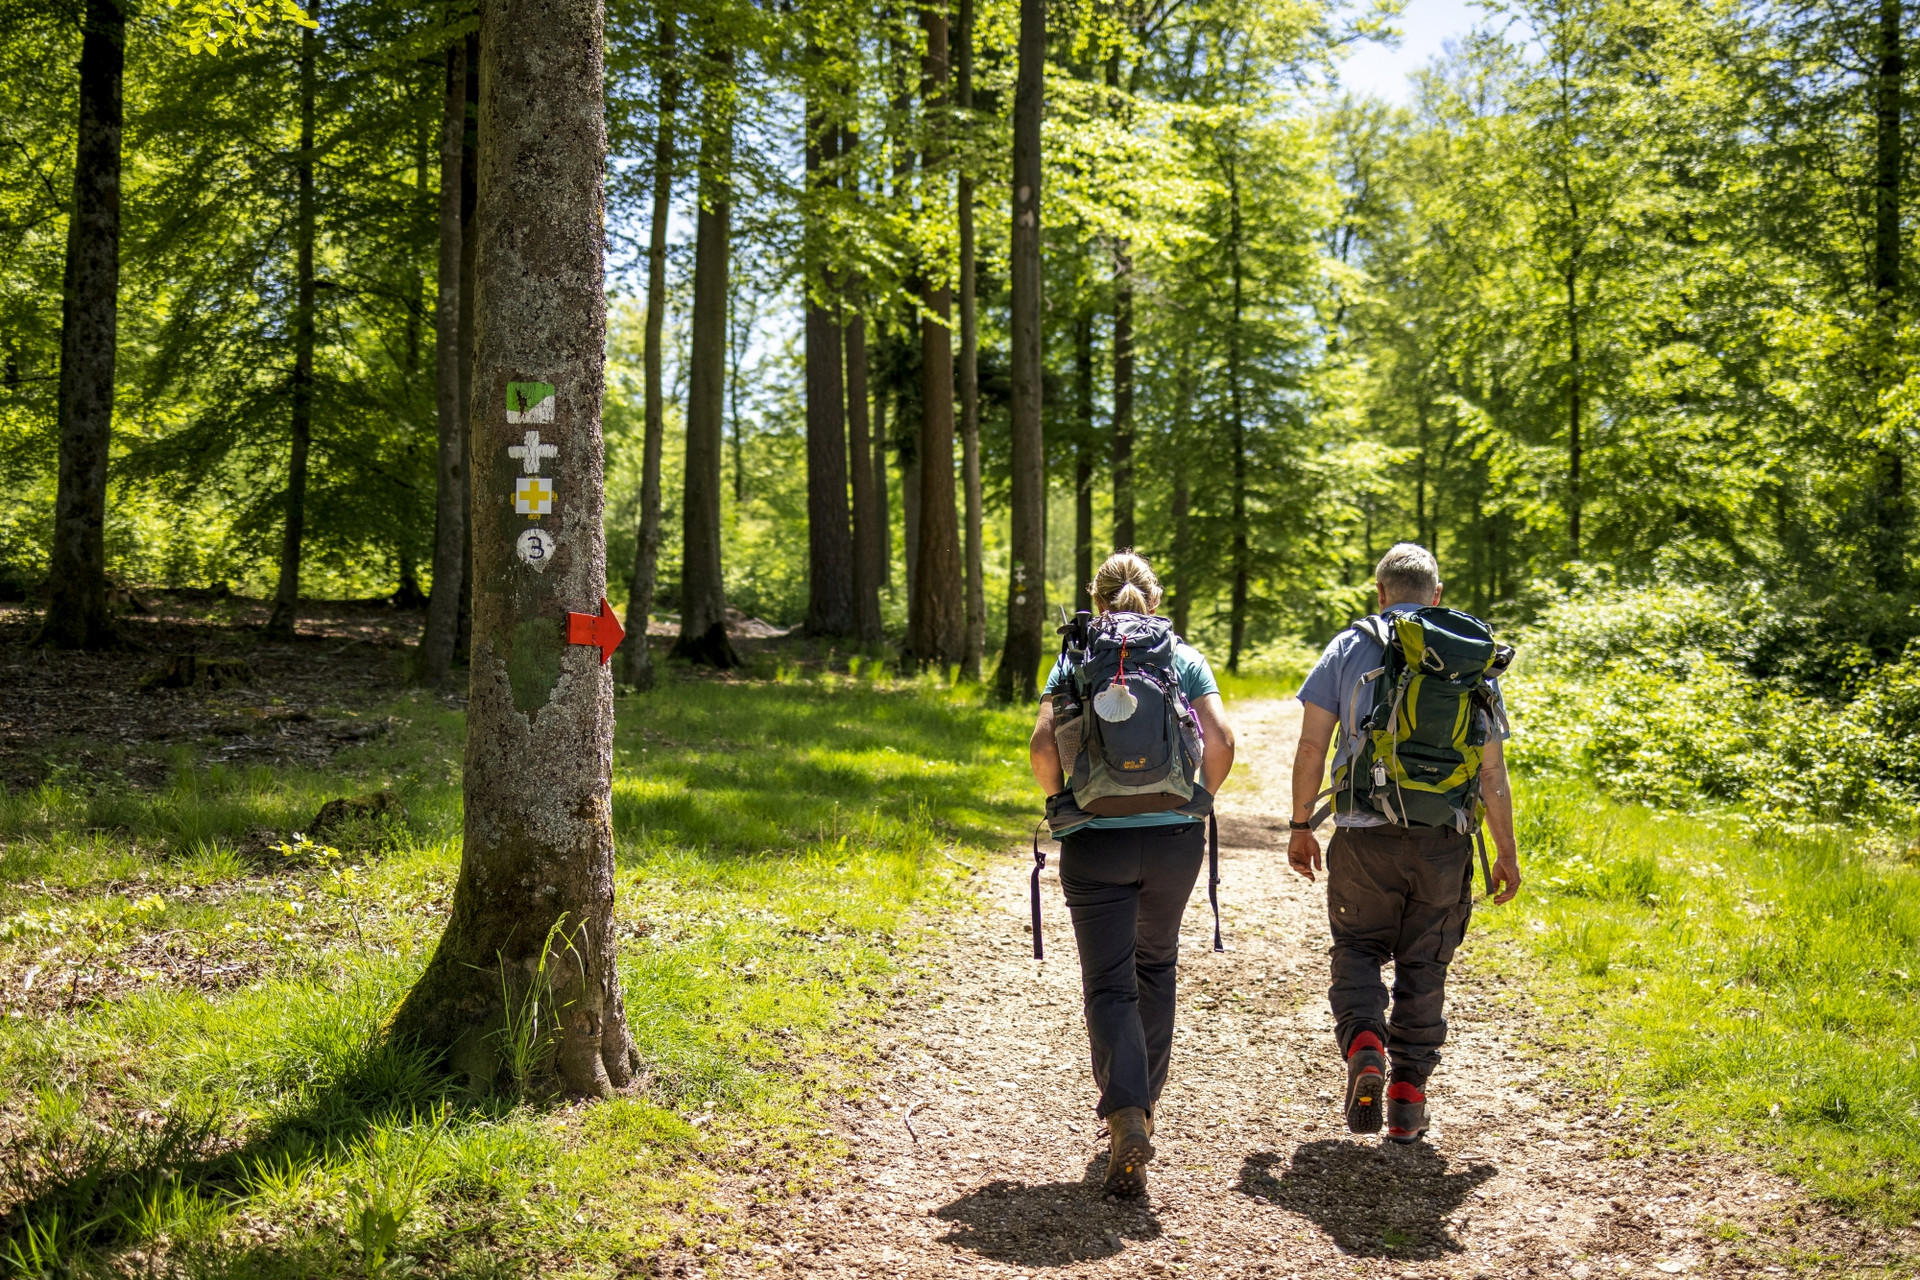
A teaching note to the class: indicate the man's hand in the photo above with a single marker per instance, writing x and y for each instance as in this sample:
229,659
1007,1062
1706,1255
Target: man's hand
1506,877
1303,853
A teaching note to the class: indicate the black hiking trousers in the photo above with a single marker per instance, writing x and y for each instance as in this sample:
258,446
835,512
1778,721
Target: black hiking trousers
1401,894
1127,888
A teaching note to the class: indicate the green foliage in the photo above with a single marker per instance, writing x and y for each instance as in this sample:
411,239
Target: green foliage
1645,690
1753,984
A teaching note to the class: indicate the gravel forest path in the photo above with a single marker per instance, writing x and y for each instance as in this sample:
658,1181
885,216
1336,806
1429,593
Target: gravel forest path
978,1152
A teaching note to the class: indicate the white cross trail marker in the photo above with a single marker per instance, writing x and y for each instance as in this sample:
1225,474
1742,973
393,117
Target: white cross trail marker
530,453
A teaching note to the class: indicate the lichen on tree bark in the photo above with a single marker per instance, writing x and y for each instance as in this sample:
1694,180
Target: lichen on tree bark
539,829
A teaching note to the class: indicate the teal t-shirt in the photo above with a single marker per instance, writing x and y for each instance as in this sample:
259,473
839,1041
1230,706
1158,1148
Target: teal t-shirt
1195,678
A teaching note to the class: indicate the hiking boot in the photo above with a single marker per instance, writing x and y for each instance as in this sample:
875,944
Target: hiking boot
1127,1157
1366,1082
1406,1112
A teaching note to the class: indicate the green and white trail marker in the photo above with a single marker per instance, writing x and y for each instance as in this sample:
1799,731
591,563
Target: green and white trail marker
529,402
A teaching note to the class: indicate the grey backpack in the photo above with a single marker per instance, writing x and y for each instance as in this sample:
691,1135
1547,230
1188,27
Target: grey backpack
1127,738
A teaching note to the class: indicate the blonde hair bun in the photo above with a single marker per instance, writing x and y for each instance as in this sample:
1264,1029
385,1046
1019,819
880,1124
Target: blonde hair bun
1125,584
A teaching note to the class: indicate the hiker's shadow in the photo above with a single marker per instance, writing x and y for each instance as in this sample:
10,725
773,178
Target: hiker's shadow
1047,1223
1383,1201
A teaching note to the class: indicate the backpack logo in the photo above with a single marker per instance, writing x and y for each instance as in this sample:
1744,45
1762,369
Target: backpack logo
1139,763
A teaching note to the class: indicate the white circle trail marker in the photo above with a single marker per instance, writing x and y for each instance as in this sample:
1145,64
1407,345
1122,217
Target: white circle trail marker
535,548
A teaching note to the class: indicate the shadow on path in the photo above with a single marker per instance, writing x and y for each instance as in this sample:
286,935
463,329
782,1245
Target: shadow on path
1048,1223
1380,1201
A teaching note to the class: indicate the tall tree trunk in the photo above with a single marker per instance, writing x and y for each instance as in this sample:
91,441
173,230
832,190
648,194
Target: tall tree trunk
936,625
1027,583
532,912
906,449
866,510
1083,448
1890,558
89,328
1181,577
1573,411
469,269
829,539
1420,526
1123,533
1237,407
450,494
646,552
703,593
973,652
286,596
882,502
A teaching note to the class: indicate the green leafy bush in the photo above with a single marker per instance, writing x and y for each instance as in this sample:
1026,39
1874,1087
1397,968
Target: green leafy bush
1649,692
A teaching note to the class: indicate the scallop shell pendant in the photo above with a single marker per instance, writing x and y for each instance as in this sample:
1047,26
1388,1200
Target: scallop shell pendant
1115,702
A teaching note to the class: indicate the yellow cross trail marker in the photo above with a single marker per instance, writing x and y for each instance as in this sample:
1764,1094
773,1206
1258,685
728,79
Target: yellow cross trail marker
532,496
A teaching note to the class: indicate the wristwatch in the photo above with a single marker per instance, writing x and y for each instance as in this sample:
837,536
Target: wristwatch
1299,826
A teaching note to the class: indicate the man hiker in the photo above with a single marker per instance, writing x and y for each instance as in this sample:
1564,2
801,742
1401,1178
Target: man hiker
1132,713
1414,769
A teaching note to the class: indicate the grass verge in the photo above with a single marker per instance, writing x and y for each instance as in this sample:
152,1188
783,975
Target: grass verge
1756,985
195,1082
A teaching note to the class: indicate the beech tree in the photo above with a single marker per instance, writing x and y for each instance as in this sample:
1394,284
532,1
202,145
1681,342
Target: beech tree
532,917
703,590
450,502
1026,584
89,337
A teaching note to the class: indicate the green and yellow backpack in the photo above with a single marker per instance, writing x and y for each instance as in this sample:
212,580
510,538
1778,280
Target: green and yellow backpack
1420,743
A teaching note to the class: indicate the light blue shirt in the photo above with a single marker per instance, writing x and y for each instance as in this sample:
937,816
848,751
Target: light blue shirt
1195,678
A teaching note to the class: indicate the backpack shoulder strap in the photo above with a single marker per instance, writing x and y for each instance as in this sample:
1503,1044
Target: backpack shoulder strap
1375,628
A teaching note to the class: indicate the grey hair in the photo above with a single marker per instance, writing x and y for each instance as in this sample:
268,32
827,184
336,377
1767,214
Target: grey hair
1408,574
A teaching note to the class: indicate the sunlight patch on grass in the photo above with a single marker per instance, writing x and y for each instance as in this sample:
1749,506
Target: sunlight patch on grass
214,1011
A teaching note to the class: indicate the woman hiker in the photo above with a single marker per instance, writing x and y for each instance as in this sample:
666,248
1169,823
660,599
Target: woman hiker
1127,881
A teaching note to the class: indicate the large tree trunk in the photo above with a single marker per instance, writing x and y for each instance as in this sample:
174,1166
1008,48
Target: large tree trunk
866,508
286,595
646,551
829,539
937,625
1026,586
973,653
469,203
450,494
533,909
703,593
89,327
1083,450
1890,501
1242,570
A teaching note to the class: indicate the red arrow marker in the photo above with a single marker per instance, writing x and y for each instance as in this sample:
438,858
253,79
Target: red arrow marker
603,631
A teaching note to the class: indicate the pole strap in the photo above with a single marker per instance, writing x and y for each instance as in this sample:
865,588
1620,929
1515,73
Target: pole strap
1213,876
1039,864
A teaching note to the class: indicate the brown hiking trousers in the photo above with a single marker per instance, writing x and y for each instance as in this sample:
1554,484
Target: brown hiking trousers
1401,894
